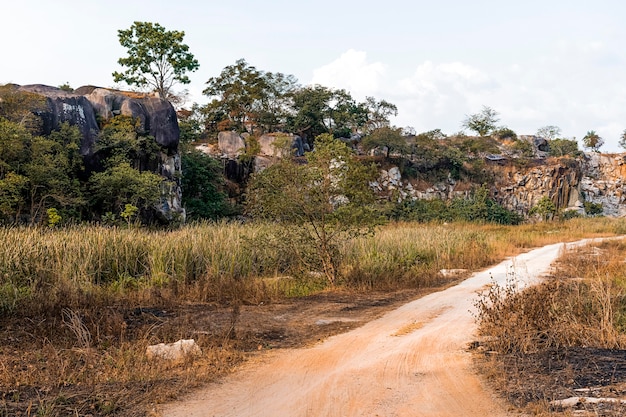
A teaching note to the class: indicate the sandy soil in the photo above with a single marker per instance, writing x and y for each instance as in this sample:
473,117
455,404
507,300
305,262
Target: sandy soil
413,361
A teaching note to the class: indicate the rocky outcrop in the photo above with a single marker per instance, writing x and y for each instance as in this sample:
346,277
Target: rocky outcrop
157,117
273,144
63,106
602,182
230,144
569,183
85,105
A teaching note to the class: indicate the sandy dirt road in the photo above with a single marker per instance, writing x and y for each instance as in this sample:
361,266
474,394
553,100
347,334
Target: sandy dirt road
413,361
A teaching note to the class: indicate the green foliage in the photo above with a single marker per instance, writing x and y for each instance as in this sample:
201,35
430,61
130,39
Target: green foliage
122,184
54,218
435,134
593,141
321,203
156,58
545,209
203,187
248,98
378,114
564,147
66,87
502,133
478,208
191,124
130,212
549,132
593,209
388,138
622,140
121,140
524,148
482,123
21,107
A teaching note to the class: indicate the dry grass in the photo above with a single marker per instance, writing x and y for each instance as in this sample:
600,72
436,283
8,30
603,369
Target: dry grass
79,305
565,334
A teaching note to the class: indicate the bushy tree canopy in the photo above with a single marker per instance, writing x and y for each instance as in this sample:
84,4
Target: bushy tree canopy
157,58
482,123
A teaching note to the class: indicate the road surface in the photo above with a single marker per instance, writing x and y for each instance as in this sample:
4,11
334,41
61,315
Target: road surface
413,361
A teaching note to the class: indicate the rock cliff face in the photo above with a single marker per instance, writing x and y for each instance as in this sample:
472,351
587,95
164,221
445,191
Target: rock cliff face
569,183
85,105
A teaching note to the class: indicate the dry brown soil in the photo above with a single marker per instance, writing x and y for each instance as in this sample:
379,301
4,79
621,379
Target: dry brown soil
412,361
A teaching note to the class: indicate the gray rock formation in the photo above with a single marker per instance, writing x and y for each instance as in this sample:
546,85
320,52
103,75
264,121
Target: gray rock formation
63,106
85,105
157,116
230,144
270,144
569,183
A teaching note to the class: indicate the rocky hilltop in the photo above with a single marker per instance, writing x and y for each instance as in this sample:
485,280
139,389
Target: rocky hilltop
517,183
86,105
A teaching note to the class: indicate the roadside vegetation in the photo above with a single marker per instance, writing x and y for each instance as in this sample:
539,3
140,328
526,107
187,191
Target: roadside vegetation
80,304
563,338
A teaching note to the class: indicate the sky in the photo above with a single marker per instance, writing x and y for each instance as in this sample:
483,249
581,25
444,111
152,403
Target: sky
536,62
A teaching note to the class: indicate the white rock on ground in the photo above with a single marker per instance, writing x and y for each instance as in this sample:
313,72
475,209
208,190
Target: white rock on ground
174,351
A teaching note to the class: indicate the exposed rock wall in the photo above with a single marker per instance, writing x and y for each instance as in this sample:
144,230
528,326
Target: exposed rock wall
569,183
85,105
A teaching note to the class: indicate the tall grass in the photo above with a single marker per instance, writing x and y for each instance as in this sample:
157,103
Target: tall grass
43,269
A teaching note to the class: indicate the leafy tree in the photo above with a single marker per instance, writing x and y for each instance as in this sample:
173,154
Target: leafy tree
321,203
235,92
549,132
545,208
563,147
191,123
316,110
386,137
121,140
248,98
593,141
435,134
482,123
12,191
622,140
53,171
378,114
157,58
21,107
593,209
119,185
202,184
14,146
503,133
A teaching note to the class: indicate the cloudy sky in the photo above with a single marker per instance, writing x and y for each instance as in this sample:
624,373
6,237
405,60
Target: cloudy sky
536,62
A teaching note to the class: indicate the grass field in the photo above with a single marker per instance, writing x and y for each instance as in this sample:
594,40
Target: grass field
72,337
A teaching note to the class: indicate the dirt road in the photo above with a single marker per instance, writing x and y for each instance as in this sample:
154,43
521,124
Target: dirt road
411,362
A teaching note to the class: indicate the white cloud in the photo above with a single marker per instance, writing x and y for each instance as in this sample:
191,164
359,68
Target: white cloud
351,71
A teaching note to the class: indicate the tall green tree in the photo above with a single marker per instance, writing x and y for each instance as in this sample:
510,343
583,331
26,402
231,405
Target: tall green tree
246,99
388,138
157,58
593,141
321,203
53,172
379,113
549,132
203,187
482,123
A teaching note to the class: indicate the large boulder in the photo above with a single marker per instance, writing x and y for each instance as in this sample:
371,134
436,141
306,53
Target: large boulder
157,116
85,105
63,106
272,144
230,144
